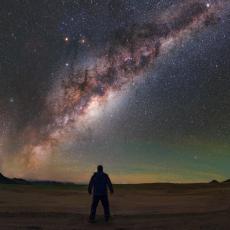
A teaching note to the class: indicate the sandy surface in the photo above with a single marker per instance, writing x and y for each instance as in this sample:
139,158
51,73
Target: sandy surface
159,206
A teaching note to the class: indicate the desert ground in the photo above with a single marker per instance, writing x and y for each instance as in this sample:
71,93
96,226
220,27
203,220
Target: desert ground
146,206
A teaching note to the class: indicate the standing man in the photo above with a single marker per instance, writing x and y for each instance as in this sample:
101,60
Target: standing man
99,183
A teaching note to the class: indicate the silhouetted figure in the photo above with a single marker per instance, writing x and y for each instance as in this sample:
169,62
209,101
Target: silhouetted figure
99,183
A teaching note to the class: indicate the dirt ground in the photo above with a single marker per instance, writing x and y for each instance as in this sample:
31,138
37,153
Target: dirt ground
150,206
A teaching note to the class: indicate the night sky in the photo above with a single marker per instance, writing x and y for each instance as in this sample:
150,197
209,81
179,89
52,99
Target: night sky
142,87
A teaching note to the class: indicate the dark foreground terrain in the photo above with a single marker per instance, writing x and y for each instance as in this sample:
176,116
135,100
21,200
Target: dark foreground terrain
149,206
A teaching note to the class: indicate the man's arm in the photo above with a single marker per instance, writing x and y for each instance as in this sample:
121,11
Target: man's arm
109,183
90,186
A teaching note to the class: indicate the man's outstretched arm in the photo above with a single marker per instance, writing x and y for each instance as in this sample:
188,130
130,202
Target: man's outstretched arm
110,185
90,186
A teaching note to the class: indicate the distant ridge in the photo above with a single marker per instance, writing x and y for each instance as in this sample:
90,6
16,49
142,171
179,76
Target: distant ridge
214,182
7,180
227,181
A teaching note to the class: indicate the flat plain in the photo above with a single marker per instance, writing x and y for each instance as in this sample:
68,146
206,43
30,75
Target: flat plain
144,206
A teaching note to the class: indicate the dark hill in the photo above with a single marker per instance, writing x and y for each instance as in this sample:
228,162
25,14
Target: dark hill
6,180
214,182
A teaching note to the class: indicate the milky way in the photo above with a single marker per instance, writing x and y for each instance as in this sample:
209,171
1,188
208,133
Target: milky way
126,57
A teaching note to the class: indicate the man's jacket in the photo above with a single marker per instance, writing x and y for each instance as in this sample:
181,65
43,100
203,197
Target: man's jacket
99,183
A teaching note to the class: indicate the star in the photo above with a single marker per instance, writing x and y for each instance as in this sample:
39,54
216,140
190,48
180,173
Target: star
66,39
11,100
83,40
195,157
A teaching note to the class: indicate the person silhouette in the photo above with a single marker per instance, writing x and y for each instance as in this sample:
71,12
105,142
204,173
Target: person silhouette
99,183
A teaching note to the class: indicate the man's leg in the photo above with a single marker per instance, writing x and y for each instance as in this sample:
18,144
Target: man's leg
105,204
94,208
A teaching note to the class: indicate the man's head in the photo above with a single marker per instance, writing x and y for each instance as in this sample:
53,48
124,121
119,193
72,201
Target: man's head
100,168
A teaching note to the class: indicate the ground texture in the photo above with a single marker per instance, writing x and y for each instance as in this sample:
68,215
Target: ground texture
153,206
